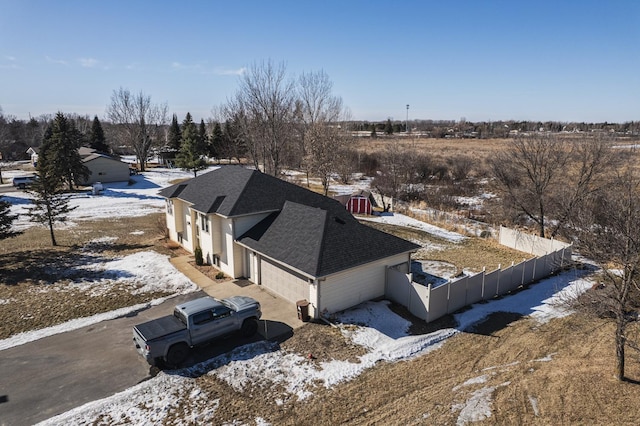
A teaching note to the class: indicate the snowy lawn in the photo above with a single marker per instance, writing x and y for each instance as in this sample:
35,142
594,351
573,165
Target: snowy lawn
118,200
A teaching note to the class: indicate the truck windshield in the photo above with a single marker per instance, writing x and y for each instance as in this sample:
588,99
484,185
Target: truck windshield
178,314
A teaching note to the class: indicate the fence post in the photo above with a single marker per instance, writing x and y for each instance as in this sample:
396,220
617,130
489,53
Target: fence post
429,302
499,275
484,270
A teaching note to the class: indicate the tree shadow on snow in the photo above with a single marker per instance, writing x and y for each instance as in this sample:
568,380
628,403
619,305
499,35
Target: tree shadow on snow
47,267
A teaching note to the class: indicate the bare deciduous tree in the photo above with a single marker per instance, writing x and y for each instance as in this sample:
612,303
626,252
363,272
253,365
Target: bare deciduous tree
137,121
607,230
544,178
323,131
264,106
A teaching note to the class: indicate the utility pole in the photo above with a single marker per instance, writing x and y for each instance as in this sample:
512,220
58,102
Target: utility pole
406,123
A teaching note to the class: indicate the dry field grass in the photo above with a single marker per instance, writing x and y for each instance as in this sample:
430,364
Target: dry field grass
36,279
472,254
443,148
525,372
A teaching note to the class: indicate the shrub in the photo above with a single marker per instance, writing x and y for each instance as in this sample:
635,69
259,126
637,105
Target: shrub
220,275
198,254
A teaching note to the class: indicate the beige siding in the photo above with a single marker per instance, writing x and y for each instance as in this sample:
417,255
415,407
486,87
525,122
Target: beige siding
282,282
107,170
244,223
349,288
216,234
226,254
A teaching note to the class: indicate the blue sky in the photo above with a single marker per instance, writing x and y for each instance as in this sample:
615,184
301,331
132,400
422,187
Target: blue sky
542,60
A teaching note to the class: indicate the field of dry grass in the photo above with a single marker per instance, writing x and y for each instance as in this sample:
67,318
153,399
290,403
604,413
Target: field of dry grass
36,279
472,254
513,369
478,148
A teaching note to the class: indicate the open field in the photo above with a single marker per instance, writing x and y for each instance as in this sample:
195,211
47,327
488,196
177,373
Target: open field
479,148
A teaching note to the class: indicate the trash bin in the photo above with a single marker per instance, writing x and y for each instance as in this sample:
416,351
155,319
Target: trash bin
97,187
303,310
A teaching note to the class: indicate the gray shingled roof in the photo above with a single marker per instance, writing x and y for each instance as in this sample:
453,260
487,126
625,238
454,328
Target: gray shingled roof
309,232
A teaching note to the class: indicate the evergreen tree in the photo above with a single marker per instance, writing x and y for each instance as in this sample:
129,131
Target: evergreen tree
50,204
373,131
388,128
97,140
216,143
191,150
174,134
59,158
203,140
6,220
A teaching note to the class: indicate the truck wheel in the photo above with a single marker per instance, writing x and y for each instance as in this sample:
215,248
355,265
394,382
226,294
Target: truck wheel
177,354
249,327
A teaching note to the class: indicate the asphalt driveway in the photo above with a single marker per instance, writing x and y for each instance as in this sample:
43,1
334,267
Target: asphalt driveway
56,374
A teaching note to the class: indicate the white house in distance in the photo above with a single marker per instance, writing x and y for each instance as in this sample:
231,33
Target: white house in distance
295,242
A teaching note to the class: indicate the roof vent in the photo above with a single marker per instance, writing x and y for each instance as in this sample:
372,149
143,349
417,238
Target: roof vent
340,221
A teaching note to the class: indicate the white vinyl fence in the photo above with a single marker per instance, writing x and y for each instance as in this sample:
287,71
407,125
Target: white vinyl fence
430,302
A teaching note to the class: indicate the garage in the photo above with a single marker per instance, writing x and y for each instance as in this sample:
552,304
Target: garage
349,288
284,283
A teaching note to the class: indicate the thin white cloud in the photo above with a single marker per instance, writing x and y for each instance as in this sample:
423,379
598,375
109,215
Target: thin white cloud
226,71
56,61
180,66
88,62
10,58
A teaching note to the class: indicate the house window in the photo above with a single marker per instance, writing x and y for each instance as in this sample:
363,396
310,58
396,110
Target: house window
170,206
204,223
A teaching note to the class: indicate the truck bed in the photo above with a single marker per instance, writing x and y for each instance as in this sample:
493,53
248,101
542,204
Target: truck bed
157,328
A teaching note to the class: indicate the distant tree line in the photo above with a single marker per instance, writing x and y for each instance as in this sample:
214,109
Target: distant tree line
490,129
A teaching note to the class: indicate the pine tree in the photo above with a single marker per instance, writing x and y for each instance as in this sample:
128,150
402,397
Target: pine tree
203,140
191,150
388,128
59,158
216,142
50,204
97,140
6,220
174,134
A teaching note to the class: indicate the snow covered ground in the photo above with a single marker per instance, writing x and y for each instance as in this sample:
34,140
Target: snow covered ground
383,333
118,200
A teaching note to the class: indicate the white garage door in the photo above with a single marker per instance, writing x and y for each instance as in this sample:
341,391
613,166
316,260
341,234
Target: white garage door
283,283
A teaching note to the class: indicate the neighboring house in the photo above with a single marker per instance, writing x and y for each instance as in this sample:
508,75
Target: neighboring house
295,242
33,153
105,169
102,167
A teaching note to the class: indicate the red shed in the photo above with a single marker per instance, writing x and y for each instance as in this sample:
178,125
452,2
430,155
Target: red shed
359,204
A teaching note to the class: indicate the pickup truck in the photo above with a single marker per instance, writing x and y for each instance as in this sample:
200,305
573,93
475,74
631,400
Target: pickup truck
168,339
22,182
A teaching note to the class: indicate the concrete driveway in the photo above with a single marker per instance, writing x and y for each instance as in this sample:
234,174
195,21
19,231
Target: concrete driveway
275,310
53,375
